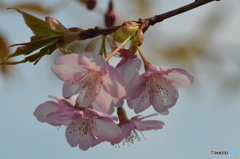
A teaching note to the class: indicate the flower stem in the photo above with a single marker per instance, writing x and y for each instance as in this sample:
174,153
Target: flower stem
147,65
118,48
103,51
122,116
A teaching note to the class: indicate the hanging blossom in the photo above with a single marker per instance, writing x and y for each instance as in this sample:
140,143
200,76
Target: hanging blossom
85,127
158,87
90,76
129,126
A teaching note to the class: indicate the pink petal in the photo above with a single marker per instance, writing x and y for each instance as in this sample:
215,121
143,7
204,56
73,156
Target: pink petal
164,98
88,95
75,136
118,102
148,116
136,86
98,114
69,89
107,130
66,67
113,82
91,61
129,69
148,125
44,109
88,141
72,135
141,103
179,78
104,100
64,115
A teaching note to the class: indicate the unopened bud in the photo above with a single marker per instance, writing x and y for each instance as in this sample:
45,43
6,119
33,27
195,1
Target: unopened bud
119,36
129,27
133,47
110,16
91,4
139,38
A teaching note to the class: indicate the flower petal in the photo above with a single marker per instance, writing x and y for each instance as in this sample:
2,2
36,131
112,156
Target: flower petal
64,115
91,61
107,130
113,82
148,125
136,87
88,95
104,100
129,69
165,97
141,103
72,135
179,78
66,67
75,136
69,89
44,109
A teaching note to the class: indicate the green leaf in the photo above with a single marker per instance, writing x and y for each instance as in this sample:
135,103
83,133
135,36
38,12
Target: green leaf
38,26
37,42
48,50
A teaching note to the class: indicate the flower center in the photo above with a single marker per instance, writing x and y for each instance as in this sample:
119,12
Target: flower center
157,85
84,128
87,79
89,82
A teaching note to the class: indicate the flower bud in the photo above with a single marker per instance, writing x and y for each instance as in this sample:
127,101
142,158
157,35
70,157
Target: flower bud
110,16
133,47
139,38
129,27
119,36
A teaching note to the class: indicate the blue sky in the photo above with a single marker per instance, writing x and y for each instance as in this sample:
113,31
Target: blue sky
205,117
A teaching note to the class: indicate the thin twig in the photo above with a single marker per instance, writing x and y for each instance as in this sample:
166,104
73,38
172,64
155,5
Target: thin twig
158,18
93,32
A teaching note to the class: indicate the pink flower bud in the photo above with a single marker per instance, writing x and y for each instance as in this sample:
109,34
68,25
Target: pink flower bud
110,16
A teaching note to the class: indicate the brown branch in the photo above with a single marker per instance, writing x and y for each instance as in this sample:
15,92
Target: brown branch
161,17
93,32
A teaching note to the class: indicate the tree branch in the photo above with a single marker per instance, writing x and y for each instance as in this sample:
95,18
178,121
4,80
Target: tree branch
93,32
161,17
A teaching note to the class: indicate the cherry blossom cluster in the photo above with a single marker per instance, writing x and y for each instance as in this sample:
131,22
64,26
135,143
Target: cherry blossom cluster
93,89
96,93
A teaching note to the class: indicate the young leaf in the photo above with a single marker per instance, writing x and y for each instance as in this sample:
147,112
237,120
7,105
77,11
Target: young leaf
38,26
37,42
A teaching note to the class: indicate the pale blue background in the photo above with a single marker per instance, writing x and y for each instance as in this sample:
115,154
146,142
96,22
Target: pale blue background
206,116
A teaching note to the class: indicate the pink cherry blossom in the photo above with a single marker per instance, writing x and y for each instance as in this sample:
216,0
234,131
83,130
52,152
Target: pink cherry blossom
158,87
85,127
129,126
129,69
89,75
